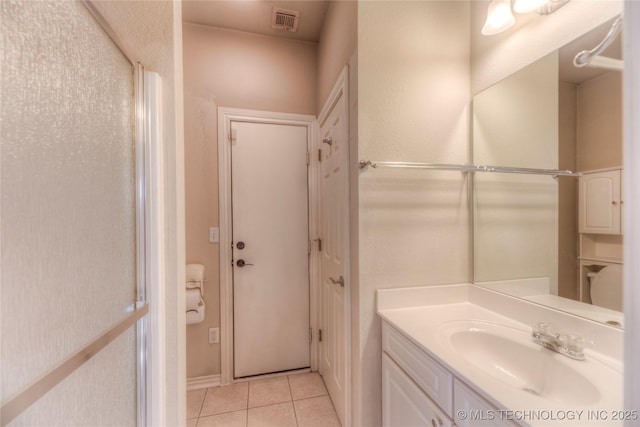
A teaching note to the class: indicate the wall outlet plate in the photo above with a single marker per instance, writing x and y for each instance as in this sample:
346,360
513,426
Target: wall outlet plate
214,335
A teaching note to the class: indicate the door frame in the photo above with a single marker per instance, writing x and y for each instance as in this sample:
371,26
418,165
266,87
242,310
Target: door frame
225,117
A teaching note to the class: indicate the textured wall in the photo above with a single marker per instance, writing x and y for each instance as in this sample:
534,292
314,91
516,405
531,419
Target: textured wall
337,45
68,210
413,96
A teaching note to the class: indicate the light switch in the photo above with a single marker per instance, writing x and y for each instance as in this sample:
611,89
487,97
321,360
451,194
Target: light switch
214,235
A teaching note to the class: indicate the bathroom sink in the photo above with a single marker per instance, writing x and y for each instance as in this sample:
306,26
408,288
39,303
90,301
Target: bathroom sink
510,356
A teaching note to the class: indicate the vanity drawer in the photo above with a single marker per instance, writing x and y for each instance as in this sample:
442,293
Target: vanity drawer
472,410
436,381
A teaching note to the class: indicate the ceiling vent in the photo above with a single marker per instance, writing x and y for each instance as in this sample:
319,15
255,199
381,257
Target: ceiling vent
285,20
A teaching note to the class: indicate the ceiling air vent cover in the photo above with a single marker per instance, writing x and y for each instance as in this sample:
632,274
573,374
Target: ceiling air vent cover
285,20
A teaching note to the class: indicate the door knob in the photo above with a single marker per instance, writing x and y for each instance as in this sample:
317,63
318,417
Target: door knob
340,281
240,245
242,263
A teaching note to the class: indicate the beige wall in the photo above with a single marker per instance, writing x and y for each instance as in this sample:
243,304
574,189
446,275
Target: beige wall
244,70
151,31
229,69
413,96
599,131
337,45
567,193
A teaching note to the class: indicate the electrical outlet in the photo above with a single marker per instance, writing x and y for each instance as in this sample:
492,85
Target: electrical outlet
214,335
214,235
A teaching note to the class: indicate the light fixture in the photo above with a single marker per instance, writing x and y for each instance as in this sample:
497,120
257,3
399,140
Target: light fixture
526,6
499,17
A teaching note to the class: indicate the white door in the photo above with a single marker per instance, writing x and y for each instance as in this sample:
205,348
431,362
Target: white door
270,248
334,230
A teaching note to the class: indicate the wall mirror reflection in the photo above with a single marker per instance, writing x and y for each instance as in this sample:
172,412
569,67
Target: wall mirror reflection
555,241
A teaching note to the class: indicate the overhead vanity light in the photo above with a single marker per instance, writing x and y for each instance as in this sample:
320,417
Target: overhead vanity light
526,6
500,18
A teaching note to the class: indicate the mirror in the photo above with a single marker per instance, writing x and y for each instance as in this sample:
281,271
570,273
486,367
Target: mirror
553,241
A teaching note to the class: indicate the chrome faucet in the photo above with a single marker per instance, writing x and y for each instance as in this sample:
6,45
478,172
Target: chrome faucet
570,345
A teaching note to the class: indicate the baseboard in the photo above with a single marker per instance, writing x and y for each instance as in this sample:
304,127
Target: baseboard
197,383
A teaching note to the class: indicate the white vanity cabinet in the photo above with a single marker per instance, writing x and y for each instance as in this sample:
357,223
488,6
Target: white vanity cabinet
418,391
404,404
600,199
473,411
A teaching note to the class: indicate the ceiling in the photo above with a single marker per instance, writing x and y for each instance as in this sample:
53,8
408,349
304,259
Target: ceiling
254,16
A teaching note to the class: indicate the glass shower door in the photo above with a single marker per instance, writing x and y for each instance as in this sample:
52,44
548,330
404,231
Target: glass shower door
71,265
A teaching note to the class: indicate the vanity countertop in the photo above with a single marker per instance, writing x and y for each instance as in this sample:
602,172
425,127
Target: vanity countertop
494,354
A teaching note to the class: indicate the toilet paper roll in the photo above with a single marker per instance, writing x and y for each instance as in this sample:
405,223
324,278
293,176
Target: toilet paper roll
195,306
195,315
193,299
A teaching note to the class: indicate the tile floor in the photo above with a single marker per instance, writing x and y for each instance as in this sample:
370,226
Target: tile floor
299,400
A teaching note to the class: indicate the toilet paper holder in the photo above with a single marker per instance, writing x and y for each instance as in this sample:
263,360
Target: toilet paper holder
195,277
199,284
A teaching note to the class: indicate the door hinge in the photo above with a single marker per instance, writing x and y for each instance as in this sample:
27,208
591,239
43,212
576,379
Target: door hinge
319,335
309,247
308,158
320,155
310,335
319,245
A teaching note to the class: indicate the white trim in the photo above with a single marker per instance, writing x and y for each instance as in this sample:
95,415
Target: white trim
616,168
206,381
632,205
341,89
314,258
155,249
225,117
